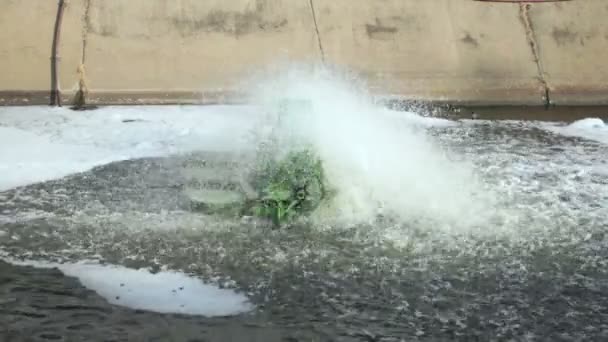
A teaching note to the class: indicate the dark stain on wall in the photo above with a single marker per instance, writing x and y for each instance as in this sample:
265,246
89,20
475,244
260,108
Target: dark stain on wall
564,36
469,40
379,31
228,22
410,21
106,31
105,24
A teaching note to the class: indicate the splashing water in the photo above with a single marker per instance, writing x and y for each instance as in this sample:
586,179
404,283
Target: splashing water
440,282
379,160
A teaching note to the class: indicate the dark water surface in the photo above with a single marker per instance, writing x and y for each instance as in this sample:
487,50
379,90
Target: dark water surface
45,305
536,113
540,275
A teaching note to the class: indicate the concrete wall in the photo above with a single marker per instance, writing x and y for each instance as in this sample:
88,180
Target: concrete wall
26,28
150,51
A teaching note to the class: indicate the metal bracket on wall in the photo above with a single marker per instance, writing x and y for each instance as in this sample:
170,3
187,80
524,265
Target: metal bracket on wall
55,89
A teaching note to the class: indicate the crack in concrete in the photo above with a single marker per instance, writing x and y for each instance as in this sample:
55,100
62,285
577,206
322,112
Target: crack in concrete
85,29
531,37
81,94
314,19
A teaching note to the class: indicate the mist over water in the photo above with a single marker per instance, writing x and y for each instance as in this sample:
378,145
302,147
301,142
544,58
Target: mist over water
380,161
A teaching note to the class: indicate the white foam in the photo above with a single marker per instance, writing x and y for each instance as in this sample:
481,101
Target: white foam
42,143
164,292
589,128
28,158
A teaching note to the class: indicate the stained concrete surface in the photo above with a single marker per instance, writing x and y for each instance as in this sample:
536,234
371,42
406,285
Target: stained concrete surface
154,51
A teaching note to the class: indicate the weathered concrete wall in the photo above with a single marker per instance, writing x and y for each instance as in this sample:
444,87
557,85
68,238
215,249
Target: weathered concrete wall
190,50
441,49
192,45
573,45
26,28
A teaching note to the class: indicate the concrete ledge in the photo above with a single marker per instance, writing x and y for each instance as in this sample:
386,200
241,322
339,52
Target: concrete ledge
154,97
24,98
489,97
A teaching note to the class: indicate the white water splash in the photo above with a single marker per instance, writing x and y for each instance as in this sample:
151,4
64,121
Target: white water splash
589,128
377,158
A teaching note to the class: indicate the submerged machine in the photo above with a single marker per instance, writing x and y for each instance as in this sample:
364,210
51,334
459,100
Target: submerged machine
283,182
